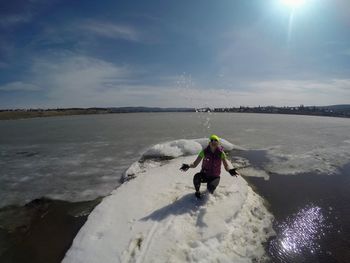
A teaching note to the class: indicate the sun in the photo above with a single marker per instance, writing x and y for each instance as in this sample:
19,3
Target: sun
293,3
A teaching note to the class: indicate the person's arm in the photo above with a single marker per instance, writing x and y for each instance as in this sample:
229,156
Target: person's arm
196,162
228,165
185,167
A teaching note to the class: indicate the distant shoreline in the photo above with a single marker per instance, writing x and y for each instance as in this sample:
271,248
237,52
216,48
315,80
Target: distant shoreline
342,111
26,114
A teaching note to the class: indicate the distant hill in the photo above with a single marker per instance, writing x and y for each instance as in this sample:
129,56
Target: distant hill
11,114
339,107
148,109
341,110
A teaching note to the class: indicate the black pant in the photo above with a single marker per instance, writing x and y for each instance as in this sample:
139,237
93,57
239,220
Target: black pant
212,181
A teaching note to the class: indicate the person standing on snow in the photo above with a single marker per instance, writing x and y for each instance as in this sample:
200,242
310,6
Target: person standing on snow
213,155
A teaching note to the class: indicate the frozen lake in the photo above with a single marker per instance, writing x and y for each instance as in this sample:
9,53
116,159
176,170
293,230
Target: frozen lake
81,157
300,164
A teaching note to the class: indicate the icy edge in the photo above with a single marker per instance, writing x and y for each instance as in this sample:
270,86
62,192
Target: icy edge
156,218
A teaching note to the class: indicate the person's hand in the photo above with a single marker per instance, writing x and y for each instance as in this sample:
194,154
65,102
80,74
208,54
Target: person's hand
233,172
184,167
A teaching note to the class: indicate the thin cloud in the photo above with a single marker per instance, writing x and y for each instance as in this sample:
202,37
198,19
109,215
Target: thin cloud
17,12
19,86
85,33
15,19
247,53
308,92
74,80
80,81
112,30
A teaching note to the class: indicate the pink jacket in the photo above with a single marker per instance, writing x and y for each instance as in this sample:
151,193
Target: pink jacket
211,164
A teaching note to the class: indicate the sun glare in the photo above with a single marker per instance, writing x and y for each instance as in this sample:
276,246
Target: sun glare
293,3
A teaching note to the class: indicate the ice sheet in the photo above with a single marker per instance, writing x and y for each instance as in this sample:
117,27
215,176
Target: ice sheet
156,218
323,159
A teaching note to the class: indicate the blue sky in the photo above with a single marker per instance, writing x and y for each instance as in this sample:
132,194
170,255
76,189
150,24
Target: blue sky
173,53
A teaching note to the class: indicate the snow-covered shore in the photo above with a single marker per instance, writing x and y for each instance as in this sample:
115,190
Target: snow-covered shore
156,218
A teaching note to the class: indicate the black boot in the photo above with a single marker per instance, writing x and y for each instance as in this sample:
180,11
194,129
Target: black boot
197,194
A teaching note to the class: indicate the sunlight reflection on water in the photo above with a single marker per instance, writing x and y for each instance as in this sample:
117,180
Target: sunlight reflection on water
299,236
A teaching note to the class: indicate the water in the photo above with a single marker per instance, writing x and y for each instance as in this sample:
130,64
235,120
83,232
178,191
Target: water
52,224
312,214
79,158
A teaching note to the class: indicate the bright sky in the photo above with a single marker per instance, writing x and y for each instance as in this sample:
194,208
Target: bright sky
184,53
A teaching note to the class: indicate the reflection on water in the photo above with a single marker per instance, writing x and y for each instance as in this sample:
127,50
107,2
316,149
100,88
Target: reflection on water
299,236
312,215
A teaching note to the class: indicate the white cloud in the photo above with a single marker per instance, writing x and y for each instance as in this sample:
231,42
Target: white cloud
87,34
69,80
78,80
19,86
308,92
22,11
274,92
112,30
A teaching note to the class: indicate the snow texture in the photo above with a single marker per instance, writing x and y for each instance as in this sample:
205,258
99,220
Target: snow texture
254,172
184,147
156,218
319,160
171,149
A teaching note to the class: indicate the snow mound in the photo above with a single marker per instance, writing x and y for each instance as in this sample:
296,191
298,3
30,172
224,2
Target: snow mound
169,150
138,167
183,147
156,218
173,149
226,144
